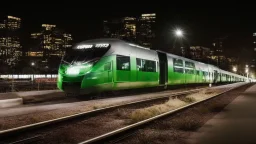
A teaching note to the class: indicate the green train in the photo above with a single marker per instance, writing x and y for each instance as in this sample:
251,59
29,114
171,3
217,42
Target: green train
111,64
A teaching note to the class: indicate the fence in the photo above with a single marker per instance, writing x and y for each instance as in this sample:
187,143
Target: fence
14,82
27,76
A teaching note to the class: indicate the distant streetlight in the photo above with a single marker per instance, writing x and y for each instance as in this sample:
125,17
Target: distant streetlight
179,33
33,64
247,71
234,69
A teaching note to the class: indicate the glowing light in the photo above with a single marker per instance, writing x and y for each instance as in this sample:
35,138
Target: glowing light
148,15
12,17
234,69
246,70
178,32
32,63
73,71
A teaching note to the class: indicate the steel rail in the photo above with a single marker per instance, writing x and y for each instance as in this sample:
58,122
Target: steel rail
107,136
25,128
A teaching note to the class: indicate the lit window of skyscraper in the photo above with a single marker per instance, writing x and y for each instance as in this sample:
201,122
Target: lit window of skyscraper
10,47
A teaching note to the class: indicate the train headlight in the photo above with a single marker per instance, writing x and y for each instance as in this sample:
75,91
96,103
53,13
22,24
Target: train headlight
73,70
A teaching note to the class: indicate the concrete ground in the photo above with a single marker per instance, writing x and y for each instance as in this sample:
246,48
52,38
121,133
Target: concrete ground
13,99
236,124
36,108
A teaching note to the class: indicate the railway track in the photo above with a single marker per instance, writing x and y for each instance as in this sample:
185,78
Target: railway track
37,126
18,131
124,132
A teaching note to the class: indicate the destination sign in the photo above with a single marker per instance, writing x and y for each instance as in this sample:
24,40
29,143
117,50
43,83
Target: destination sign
101,45
87,46
84,46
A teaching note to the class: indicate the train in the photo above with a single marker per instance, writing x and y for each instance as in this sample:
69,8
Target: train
109,64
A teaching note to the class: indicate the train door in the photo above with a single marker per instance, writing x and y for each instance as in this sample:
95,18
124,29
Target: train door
220,77
197,76
108,72
215,76
163,68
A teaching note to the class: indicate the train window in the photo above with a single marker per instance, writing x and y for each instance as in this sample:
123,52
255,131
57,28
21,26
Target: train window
146,65
123,62
198,72
178,65
189,64
189,67
178,70
178,62
189,71
107,66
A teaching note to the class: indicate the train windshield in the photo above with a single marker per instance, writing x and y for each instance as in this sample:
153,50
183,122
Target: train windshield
83,55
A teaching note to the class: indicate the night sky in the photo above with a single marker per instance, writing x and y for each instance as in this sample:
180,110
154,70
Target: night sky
202,23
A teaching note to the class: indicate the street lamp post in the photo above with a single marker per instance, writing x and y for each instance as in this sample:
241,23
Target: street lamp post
33,64
178,33
247,72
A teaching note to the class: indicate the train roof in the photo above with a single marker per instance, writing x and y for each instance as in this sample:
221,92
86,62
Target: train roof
123,46
116,41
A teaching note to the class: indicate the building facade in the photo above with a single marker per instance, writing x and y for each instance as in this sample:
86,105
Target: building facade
10,45
51,40
217,54
146,29
199,53
140,30
123,28
253,62
49,45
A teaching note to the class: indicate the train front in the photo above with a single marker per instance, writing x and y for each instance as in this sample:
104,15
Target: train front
77,67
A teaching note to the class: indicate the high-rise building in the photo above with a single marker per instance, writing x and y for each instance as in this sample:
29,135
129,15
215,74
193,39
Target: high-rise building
124,28
218,54
146,29
49,45
253,63
199,53
129,29
139,30
51,40
67,40
10,47
111,28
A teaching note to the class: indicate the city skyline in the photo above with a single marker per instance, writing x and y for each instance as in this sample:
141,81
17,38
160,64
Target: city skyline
202,27
84,24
